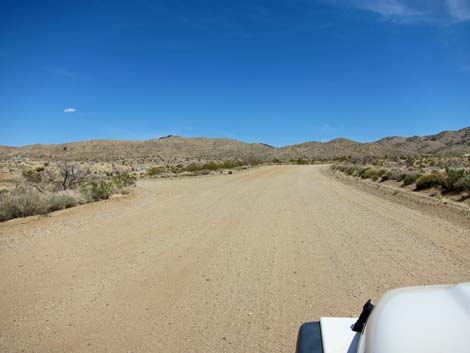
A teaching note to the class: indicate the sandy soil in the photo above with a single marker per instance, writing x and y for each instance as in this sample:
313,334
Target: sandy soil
215,264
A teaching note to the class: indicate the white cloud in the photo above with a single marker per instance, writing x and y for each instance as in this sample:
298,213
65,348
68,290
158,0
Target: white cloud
459,9
387,8
411,11
70,110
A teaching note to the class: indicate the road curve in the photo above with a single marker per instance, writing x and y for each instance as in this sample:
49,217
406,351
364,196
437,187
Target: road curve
231,263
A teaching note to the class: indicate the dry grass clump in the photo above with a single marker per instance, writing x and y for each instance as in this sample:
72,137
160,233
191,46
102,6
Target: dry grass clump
42,190
21,202
26,201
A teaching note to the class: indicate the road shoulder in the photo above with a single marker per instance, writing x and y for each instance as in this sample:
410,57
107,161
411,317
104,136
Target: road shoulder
454,212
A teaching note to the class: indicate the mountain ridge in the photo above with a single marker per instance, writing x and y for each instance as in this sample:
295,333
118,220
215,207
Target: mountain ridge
445,143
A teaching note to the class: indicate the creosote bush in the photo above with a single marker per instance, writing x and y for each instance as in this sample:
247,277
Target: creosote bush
463,184
427,181
453,181
155,171
61,202
410,178
431,173
123,180
97,190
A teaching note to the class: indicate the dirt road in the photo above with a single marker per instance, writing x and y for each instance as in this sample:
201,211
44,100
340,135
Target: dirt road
215,264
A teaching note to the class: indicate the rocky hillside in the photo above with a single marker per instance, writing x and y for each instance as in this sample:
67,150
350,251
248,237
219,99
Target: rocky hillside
165,148
443,143
178,148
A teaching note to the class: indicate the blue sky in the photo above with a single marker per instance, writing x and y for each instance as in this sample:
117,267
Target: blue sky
279,71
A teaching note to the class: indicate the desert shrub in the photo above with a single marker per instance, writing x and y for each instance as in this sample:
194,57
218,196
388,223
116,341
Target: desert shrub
22,202
232,164
336,167
410,178
205,172
463,184
301,161
155,171
386,175
124,180
397,174
371,173
97,190
211,166
380,173
33,176
356,171
348,169
427,181
351,169
192,167
364,172
453,177
60,202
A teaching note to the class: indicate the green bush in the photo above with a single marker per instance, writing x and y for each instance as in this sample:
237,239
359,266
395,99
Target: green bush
364,172
463,184
453,177
124,180
155,171
60,202
193,167
397,174
97,190
232,164
410,178
386,175
212,166
371,173
356,171
427,181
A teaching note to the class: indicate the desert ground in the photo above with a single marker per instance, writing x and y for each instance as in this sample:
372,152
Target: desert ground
229,263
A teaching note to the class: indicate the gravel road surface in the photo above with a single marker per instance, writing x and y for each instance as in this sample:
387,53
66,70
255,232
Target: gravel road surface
231,263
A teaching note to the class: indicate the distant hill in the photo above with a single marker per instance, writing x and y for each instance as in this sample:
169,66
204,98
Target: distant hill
179,148
443,143
165,148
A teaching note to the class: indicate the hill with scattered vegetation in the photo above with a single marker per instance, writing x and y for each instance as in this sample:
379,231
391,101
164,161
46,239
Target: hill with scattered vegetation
446,143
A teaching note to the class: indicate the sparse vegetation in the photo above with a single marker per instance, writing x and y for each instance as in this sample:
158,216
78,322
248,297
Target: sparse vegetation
446,176
428,181
61,201
198,168
153,171
22,202
463,184
97,190
410,178
59,186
